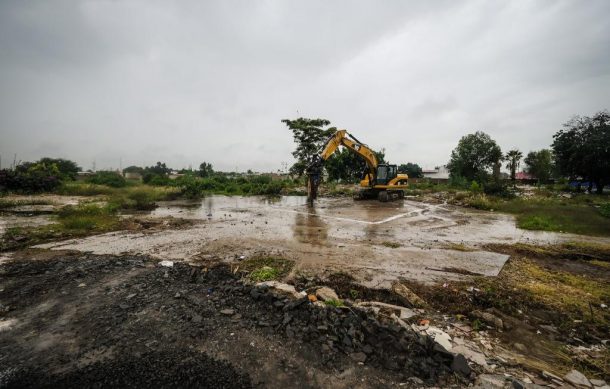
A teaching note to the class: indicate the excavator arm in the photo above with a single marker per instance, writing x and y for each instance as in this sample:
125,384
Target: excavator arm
339,138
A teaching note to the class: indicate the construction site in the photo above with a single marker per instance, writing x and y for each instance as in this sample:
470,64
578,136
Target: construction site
178,210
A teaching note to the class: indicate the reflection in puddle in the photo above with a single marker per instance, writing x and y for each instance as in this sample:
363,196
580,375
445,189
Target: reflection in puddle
310,228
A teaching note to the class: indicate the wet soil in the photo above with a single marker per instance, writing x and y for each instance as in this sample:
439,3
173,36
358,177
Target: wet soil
82,320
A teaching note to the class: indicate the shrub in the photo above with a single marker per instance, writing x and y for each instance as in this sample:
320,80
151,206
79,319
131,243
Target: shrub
604,209
30,178
108,178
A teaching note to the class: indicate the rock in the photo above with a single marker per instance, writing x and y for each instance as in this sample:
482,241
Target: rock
577,379
518,384
280,288
489,318
460,365
358,357
227,311
551,376
598,383
367,349
408,296
197,319
490,381
325,293
416,380
166,263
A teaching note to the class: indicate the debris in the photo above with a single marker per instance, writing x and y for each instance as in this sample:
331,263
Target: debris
131,296
407,295
424,322
440,337
358,357
490,381
227,311
460,365
167,263
312,298
325,293
82,285
577,379
281,288
549,375
401,312
598,383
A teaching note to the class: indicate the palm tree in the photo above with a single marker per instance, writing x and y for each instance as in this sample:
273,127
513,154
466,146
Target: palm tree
513,158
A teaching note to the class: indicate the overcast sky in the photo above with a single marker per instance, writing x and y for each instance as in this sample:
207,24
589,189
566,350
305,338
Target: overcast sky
191,81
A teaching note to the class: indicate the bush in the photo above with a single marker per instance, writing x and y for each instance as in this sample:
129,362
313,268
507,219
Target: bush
108,178
30,178
499,188
604,209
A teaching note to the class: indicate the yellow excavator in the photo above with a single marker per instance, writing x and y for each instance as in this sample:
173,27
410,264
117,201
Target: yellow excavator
379,181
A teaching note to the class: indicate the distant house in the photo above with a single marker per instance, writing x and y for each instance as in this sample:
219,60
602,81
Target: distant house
133,176
438,173
524,176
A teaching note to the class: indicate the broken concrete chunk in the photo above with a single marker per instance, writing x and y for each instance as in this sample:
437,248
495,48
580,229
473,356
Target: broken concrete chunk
408,296
598,383
490,381
577,379
325,293
167,263
440,337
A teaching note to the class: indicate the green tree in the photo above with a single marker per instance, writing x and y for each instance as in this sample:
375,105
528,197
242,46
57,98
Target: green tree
133,169
309,135
413,170
540,164
67,169
205,169
513,159
474,156
582,149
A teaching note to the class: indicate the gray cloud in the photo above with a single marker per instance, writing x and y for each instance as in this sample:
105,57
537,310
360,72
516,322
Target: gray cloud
184,82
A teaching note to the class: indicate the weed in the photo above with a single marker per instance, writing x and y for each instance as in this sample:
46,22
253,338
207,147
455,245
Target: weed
531,222
334,303
354,294
604,210
266,268
265,273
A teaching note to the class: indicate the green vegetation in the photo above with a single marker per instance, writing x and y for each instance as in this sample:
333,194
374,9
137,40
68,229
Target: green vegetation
334,303
109,178
7,204
604,209
265,273
266,268
72,221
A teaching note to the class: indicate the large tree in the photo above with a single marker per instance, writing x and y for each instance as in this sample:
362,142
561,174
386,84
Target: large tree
475,155
582,149
540,164
205,169
513,159
413,170
309,135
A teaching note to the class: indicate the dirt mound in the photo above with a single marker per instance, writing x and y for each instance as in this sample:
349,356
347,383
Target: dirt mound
165,369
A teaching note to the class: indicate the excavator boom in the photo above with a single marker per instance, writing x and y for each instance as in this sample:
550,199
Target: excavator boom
389,180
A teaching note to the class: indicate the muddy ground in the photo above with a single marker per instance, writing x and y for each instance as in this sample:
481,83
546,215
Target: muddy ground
78,320
73,311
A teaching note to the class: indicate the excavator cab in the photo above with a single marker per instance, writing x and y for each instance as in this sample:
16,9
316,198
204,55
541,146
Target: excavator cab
385,174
